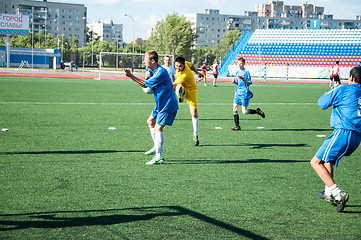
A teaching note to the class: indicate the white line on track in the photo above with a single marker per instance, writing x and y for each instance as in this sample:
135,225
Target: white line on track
80,103
72,103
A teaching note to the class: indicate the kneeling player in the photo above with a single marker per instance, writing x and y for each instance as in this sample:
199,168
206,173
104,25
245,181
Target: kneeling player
242,94
346,137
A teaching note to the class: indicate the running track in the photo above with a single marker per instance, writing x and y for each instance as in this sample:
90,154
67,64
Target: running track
121,76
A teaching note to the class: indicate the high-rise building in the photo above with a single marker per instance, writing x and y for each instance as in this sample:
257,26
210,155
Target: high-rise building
51,17
107,31
210,26
278,9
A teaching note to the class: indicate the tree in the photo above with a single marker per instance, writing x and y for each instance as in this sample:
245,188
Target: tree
202,54
228,39
173,35
91,35
20,41
70,46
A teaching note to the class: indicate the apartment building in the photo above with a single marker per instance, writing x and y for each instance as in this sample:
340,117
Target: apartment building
107,30
278,9
210,26
51,17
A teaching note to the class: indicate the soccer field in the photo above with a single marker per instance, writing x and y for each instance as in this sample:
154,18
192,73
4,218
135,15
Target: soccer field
65,175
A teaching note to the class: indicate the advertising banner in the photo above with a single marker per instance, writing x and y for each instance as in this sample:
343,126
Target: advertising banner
290,72
11,24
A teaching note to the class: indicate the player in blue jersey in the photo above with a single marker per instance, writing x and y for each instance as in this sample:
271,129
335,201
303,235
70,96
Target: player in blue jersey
242,94
166,102
346,137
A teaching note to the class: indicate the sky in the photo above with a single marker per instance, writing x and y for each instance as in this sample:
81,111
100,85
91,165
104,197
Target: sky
146,13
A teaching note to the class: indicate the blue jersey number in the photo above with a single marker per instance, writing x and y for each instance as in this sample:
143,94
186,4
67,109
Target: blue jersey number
359,108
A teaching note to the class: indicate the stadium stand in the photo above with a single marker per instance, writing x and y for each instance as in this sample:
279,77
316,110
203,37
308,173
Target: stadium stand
312,49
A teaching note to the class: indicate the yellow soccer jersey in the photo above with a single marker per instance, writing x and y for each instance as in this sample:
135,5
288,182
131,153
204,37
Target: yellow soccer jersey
186,78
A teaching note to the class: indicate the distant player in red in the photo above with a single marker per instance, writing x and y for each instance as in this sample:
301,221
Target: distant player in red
204,73
335,76
215,73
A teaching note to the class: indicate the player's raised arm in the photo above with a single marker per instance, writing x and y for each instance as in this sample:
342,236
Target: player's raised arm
130,75
325,101
194,69
246,82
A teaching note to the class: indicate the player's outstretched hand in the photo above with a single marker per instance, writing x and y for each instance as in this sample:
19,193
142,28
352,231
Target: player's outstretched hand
147,74
127,72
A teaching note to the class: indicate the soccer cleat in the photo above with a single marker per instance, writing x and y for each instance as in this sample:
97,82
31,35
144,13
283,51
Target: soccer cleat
195,140
328,198
179,91
155,160
236,128
336,85
206,85
340,204
259,112
150,152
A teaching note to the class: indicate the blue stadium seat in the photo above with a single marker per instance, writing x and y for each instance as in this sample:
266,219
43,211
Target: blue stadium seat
304,47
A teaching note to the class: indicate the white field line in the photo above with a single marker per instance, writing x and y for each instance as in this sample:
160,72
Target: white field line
80,103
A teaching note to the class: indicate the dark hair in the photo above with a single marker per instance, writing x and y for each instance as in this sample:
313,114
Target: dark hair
152,55
180,60
337,62
241,59
356,73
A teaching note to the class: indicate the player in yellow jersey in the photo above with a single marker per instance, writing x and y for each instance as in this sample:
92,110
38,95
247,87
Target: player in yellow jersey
187,84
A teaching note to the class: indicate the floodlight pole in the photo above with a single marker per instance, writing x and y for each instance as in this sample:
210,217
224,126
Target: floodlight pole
39,36
62,36
116,65
126,15
92,61
32,38
92,31
7,51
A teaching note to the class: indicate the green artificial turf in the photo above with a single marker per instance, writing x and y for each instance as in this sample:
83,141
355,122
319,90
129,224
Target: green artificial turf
65,175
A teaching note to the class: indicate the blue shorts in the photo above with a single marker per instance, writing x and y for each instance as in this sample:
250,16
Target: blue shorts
241,101
164,118
340,143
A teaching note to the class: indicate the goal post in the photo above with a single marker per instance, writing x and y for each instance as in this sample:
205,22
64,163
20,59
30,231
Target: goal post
113,62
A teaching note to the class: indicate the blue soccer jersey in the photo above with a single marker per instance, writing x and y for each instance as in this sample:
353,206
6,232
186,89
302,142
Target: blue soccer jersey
346,102
164,96
242,90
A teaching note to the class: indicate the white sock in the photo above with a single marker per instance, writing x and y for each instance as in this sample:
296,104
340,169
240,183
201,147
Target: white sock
214,82
327,191
245,111
335,190
151,129
158,144
195,122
